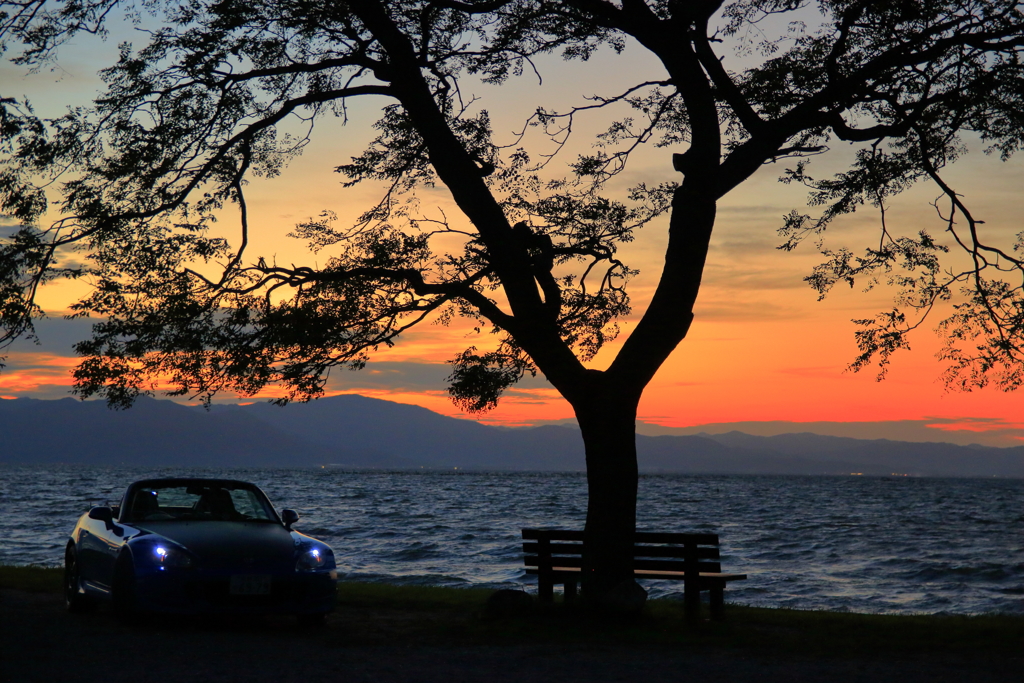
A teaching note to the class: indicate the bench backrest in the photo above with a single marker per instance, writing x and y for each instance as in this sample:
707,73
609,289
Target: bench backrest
690,553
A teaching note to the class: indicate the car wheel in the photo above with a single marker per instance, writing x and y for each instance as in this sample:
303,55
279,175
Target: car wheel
76,602
315,620
123,589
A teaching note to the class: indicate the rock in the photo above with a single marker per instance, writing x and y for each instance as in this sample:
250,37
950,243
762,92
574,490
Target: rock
509,603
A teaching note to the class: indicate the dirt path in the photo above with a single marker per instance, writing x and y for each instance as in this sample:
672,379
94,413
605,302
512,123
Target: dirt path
40,642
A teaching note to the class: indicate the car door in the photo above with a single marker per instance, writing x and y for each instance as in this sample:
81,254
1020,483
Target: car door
99,543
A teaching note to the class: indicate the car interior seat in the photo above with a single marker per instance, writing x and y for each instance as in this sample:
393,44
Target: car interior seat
218,503
146,503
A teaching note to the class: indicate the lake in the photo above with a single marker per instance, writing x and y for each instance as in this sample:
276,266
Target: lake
860,544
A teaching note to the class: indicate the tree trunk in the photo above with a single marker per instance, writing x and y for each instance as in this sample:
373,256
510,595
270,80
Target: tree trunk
607,420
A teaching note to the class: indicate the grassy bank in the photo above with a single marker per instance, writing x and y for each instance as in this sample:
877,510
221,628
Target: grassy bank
420,614
31,579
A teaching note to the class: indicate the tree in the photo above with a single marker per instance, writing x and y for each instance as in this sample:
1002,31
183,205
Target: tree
198,110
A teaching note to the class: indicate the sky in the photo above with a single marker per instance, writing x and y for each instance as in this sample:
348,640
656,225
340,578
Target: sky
763,353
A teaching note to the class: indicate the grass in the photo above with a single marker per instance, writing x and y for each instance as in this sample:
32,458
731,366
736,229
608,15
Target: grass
32,579
417,598
422,614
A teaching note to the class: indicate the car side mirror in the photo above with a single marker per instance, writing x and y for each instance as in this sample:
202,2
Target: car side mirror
102,513
289,517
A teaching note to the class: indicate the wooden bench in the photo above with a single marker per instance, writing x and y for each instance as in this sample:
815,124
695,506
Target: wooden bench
556,556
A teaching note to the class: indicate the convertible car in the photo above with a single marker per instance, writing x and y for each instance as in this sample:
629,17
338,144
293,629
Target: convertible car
197,546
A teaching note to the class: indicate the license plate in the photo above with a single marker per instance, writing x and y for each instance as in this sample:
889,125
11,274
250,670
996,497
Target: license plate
250,584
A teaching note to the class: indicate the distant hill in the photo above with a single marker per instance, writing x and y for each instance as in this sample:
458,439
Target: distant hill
359,432
152,433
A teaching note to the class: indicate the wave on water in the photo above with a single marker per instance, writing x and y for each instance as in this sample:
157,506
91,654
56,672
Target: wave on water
857,544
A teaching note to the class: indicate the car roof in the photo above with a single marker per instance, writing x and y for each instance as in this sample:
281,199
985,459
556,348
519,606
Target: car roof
173,481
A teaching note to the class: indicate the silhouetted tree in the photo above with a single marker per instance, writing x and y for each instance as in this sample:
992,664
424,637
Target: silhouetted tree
189,117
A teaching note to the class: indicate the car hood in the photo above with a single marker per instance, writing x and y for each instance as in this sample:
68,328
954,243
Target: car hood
239,544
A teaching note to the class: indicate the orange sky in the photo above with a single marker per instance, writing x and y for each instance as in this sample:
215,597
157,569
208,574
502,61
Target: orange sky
761,347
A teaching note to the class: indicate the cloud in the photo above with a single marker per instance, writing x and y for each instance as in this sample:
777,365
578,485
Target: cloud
744,310
534,395
413,376
396,376
47,361
48,385
40,362
755,210
975,424
55,336
9,226
721,277
827,371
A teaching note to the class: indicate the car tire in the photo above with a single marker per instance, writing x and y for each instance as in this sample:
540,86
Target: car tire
314,620
75,601
123,589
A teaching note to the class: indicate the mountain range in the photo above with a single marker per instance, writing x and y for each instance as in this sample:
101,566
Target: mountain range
359,432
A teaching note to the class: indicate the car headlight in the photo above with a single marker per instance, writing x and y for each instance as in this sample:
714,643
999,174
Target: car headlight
169,556
312,559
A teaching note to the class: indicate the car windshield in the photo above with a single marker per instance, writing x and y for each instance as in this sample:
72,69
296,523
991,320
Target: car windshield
199,501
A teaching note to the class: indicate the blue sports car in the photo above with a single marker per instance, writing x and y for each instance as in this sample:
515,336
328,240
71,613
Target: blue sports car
197,545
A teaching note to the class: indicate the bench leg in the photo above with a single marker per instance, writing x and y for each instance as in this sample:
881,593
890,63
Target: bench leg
545,588
570,591
717,602
691,600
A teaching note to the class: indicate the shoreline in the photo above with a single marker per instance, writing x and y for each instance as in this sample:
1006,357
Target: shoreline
34,578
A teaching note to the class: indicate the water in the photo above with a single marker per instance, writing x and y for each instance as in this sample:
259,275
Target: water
901,545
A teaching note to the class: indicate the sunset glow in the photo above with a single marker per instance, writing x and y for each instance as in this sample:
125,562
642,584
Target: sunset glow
761,347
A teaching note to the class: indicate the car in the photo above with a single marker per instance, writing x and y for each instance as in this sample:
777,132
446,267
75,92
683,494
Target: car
197,545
